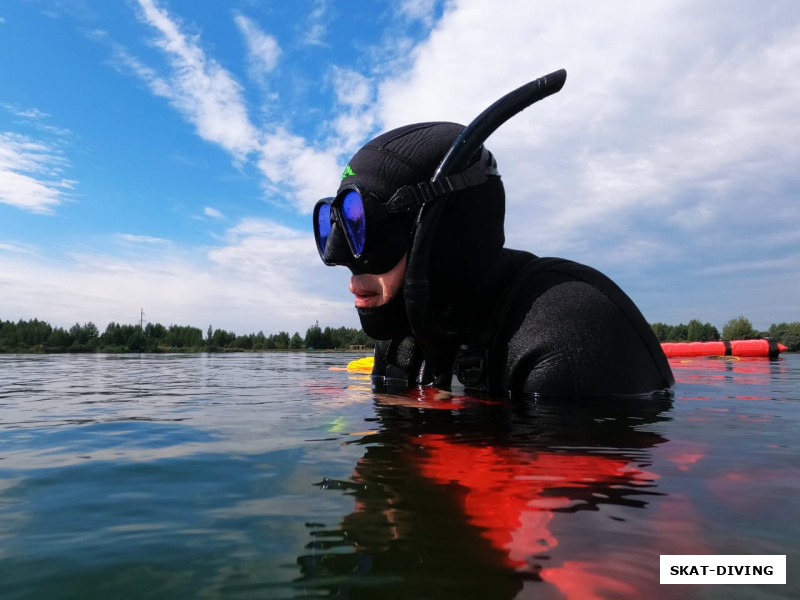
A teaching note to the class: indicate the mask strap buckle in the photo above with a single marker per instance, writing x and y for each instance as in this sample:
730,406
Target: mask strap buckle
410,198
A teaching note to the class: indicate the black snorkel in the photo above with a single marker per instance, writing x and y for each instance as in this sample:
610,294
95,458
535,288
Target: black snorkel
417,290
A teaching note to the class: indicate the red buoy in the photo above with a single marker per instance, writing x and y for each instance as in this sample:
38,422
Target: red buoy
742,348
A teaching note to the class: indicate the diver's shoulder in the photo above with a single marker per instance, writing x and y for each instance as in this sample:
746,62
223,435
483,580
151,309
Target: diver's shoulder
529,264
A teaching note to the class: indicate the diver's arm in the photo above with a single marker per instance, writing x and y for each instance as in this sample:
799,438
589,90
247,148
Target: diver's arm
397,363
403,362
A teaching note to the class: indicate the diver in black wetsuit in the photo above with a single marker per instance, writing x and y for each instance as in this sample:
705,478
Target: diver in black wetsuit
418,219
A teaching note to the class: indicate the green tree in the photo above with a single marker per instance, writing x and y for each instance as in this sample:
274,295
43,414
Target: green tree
259,341
155,331
59,340
792,341
116,336
280,340
296,343
694,331
136,342
739,328
39,336
701,332
661,330
111,335
86,336
33,333
222,339
787,334
314,336
245,342
9,336
179,336
679,333
328,338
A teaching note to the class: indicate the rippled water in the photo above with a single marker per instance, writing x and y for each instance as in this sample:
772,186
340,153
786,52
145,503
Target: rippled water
281,476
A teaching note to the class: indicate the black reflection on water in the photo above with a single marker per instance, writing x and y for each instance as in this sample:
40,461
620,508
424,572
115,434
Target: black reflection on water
439,484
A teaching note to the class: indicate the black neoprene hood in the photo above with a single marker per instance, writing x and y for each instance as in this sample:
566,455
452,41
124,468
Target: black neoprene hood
402,156
467,237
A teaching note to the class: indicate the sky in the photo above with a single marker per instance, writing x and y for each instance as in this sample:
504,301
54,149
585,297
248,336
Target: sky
165,155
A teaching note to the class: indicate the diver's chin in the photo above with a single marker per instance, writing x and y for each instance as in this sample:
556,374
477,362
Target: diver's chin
387,320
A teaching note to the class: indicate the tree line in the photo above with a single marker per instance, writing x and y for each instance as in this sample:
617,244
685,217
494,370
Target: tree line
738,328
39,336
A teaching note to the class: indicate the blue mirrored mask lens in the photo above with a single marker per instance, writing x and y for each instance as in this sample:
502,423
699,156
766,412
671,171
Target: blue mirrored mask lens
323,225
354,222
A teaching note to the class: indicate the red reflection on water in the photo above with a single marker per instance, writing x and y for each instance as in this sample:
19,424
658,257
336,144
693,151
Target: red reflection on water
733,489
511,495
711,368
523,501
685,454
715,371
579,581
433,399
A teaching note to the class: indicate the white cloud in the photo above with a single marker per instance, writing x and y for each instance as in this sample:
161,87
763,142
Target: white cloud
647,108
297,172
284,278
357,117
31,174
25,113
671,150
141,239
199,88
352,89
213,213
36,119
419,10
316,26
263,276
263,49
20,248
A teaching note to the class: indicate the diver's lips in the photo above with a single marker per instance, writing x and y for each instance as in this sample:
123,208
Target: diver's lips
365,296
367,300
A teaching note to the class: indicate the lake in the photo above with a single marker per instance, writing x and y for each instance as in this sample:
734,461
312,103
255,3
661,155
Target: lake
280,475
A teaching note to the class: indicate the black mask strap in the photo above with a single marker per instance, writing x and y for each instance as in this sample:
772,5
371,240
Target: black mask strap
411,198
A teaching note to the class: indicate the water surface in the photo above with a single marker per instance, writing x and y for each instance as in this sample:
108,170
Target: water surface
278,475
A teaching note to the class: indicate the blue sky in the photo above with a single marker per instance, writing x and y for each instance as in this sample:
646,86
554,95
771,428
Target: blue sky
165,154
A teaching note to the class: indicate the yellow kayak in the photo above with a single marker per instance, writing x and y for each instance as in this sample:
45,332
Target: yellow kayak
360,365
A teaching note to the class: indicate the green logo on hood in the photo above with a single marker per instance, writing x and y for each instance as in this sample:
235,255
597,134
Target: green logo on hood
347,172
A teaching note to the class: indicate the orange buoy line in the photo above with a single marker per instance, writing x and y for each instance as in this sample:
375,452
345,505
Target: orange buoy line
767,348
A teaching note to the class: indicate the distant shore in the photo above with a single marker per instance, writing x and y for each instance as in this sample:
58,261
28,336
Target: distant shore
39,337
